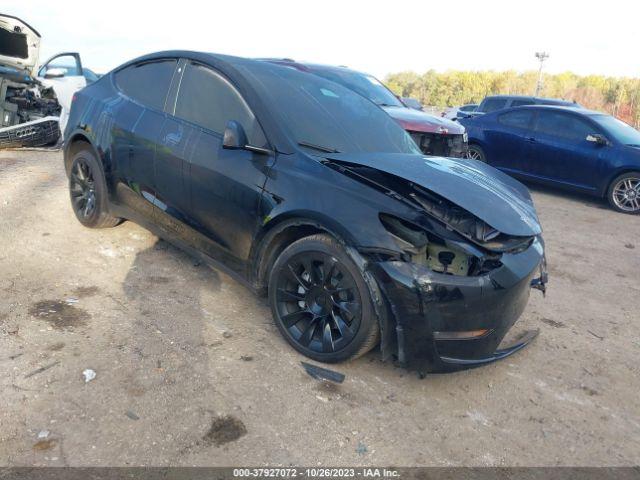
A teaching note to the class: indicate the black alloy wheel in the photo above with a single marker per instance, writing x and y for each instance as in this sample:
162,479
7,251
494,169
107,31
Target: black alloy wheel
82,188
320,301
88,192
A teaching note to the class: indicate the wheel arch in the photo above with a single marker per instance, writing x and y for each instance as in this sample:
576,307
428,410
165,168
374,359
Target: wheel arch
287,229
617,172
281,232
74,144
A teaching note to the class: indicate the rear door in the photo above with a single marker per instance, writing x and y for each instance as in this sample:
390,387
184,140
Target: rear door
212,190
138,123
506,138
559,152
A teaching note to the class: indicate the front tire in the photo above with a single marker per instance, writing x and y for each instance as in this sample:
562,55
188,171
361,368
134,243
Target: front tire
320,301
476,153
88,192
624,193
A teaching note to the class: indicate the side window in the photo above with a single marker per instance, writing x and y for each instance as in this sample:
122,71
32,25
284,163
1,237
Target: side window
563,125
210,101
147,82
66,63
517,119
520,102
468,108
493,104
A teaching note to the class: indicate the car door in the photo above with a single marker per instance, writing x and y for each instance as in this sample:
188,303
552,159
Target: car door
138,120
505,139
558,150
63,73
219,196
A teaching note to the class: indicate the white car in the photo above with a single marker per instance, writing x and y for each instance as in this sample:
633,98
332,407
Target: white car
34,102
454,113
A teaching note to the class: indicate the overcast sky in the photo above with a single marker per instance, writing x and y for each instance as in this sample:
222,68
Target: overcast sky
377,37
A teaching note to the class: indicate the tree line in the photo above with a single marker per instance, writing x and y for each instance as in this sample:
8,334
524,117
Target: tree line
618,96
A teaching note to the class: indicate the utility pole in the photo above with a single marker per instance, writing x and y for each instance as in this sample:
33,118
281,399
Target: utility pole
541,56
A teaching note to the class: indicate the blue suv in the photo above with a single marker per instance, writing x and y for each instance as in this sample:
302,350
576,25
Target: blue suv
569,147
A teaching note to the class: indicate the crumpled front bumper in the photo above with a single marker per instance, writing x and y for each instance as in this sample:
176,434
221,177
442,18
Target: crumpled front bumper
427,307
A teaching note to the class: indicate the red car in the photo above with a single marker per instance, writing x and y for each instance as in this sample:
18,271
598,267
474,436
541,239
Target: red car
434,135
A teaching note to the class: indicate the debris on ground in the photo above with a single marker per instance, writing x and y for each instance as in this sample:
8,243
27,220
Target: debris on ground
132,415
42,369
361,449
246,358
42,434
71,300
227,334
320,373
600,337
44,444
224,429
88,375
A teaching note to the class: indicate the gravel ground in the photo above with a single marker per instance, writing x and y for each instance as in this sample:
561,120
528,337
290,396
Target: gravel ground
190,369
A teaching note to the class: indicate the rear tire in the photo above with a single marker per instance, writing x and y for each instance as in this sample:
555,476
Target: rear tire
88,192
624,193
320,301
476,153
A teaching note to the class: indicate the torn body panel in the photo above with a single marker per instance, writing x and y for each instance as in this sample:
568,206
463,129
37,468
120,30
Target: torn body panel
449,322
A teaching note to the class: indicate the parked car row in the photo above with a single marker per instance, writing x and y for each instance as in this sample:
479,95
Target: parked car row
564,146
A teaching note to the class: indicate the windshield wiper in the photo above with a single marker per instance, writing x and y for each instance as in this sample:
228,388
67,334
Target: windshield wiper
319,148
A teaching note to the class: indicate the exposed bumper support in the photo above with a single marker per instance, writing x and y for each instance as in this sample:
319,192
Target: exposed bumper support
425,304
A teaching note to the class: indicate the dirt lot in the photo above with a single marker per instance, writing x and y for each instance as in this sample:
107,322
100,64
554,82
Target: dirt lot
192,371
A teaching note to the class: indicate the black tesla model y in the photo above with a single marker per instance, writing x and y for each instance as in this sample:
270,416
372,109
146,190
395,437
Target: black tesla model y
314,196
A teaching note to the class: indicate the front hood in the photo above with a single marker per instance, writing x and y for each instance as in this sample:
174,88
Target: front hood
490,195
19,44
418,121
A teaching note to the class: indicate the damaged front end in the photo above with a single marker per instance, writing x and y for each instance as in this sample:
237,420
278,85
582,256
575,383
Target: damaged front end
29,112
441,144
462,272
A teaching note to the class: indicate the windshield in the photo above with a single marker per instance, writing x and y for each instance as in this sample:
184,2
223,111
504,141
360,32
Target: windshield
324,116
620,131
366,85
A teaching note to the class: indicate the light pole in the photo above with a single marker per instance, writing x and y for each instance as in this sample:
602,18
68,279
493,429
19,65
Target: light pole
541,56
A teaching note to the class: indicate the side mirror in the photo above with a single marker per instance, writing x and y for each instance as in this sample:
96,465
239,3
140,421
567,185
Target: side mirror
235,138
597,138
55,73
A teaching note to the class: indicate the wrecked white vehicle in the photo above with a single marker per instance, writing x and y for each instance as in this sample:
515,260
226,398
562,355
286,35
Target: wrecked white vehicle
34,102
28,110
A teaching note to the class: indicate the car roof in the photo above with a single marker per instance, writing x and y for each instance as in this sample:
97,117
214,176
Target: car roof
561,108
531,97
306,66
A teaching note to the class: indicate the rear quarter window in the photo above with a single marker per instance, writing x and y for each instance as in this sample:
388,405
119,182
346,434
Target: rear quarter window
493,104
517,119
147,83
